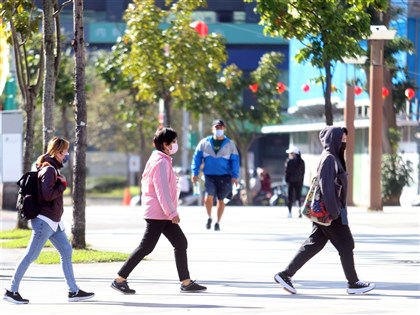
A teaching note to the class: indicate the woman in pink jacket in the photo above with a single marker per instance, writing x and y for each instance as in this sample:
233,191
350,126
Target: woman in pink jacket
159,200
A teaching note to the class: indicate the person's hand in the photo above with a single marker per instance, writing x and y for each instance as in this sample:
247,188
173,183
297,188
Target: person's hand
235,181
62,179
176,220
195,179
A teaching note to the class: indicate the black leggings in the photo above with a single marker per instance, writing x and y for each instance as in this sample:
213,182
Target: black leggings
151,236
294,193
342,239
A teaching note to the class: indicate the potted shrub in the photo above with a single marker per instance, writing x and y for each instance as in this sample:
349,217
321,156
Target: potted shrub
396,174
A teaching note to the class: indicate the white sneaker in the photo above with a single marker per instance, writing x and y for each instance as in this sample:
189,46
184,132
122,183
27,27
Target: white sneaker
289,215
360,287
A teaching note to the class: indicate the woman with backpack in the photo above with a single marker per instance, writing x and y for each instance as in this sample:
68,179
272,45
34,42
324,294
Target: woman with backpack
48,225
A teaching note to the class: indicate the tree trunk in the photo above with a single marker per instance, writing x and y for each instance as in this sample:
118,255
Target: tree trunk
167,113
79,185
49,73
28,143
66,123
142,150
327,95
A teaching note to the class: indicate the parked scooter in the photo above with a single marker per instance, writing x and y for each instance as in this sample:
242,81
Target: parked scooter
234,198
279,197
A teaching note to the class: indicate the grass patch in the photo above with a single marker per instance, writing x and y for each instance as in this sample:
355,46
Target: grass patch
82,256
14,234
19,238
114,193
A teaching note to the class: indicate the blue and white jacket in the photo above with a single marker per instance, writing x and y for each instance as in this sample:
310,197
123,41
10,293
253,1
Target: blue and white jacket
225,162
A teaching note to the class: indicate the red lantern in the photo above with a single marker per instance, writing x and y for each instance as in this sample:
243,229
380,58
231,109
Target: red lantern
201,28
358,90
281,87
305,88
409,93
254,87
385,92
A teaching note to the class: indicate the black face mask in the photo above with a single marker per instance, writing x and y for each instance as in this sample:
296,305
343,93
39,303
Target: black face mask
343,146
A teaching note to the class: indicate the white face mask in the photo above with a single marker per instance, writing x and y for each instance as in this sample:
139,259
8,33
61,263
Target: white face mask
219,133
174,148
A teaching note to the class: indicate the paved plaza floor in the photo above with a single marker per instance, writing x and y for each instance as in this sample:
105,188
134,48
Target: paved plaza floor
237,264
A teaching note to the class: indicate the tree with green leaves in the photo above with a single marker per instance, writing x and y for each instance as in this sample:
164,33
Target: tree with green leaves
244,121
328,29
23,19
169,63
133,116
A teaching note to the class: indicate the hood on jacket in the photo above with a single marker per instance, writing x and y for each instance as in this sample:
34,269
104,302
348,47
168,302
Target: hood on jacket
330,138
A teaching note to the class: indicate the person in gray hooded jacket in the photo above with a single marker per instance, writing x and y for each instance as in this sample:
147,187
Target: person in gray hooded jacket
332,175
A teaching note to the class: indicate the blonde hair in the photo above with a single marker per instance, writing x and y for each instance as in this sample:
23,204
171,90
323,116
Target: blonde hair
56,145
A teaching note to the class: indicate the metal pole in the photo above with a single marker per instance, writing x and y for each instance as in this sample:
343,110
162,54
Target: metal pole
349,113
375,127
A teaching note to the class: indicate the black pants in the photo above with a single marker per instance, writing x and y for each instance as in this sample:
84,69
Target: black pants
294,193
151,236
342,239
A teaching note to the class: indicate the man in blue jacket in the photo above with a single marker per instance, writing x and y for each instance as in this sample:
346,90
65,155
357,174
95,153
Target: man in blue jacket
221,169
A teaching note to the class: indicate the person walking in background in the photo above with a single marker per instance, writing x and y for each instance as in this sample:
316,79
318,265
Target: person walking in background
48,225
294,174
221,169
265,180
159,201
332,177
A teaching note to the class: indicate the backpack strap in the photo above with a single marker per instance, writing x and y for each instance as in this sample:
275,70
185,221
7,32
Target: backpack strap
322,161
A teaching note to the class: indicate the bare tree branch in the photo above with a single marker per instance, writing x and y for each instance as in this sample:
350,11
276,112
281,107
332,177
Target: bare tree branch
68,2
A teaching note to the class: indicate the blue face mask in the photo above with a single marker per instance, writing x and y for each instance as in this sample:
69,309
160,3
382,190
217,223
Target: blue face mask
66,158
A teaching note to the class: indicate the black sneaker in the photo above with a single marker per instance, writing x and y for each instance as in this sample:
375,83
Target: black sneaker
192,287
208,225
122,287
217,227
14,297
80,296
360,287
285,281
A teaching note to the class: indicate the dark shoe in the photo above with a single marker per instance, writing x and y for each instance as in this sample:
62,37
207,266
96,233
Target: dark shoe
360,287
14,297
208,225
217,227
192,288
122,287
285,281
80,296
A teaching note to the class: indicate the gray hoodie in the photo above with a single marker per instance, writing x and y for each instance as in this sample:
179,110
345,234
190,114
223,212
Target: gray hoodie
332,173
